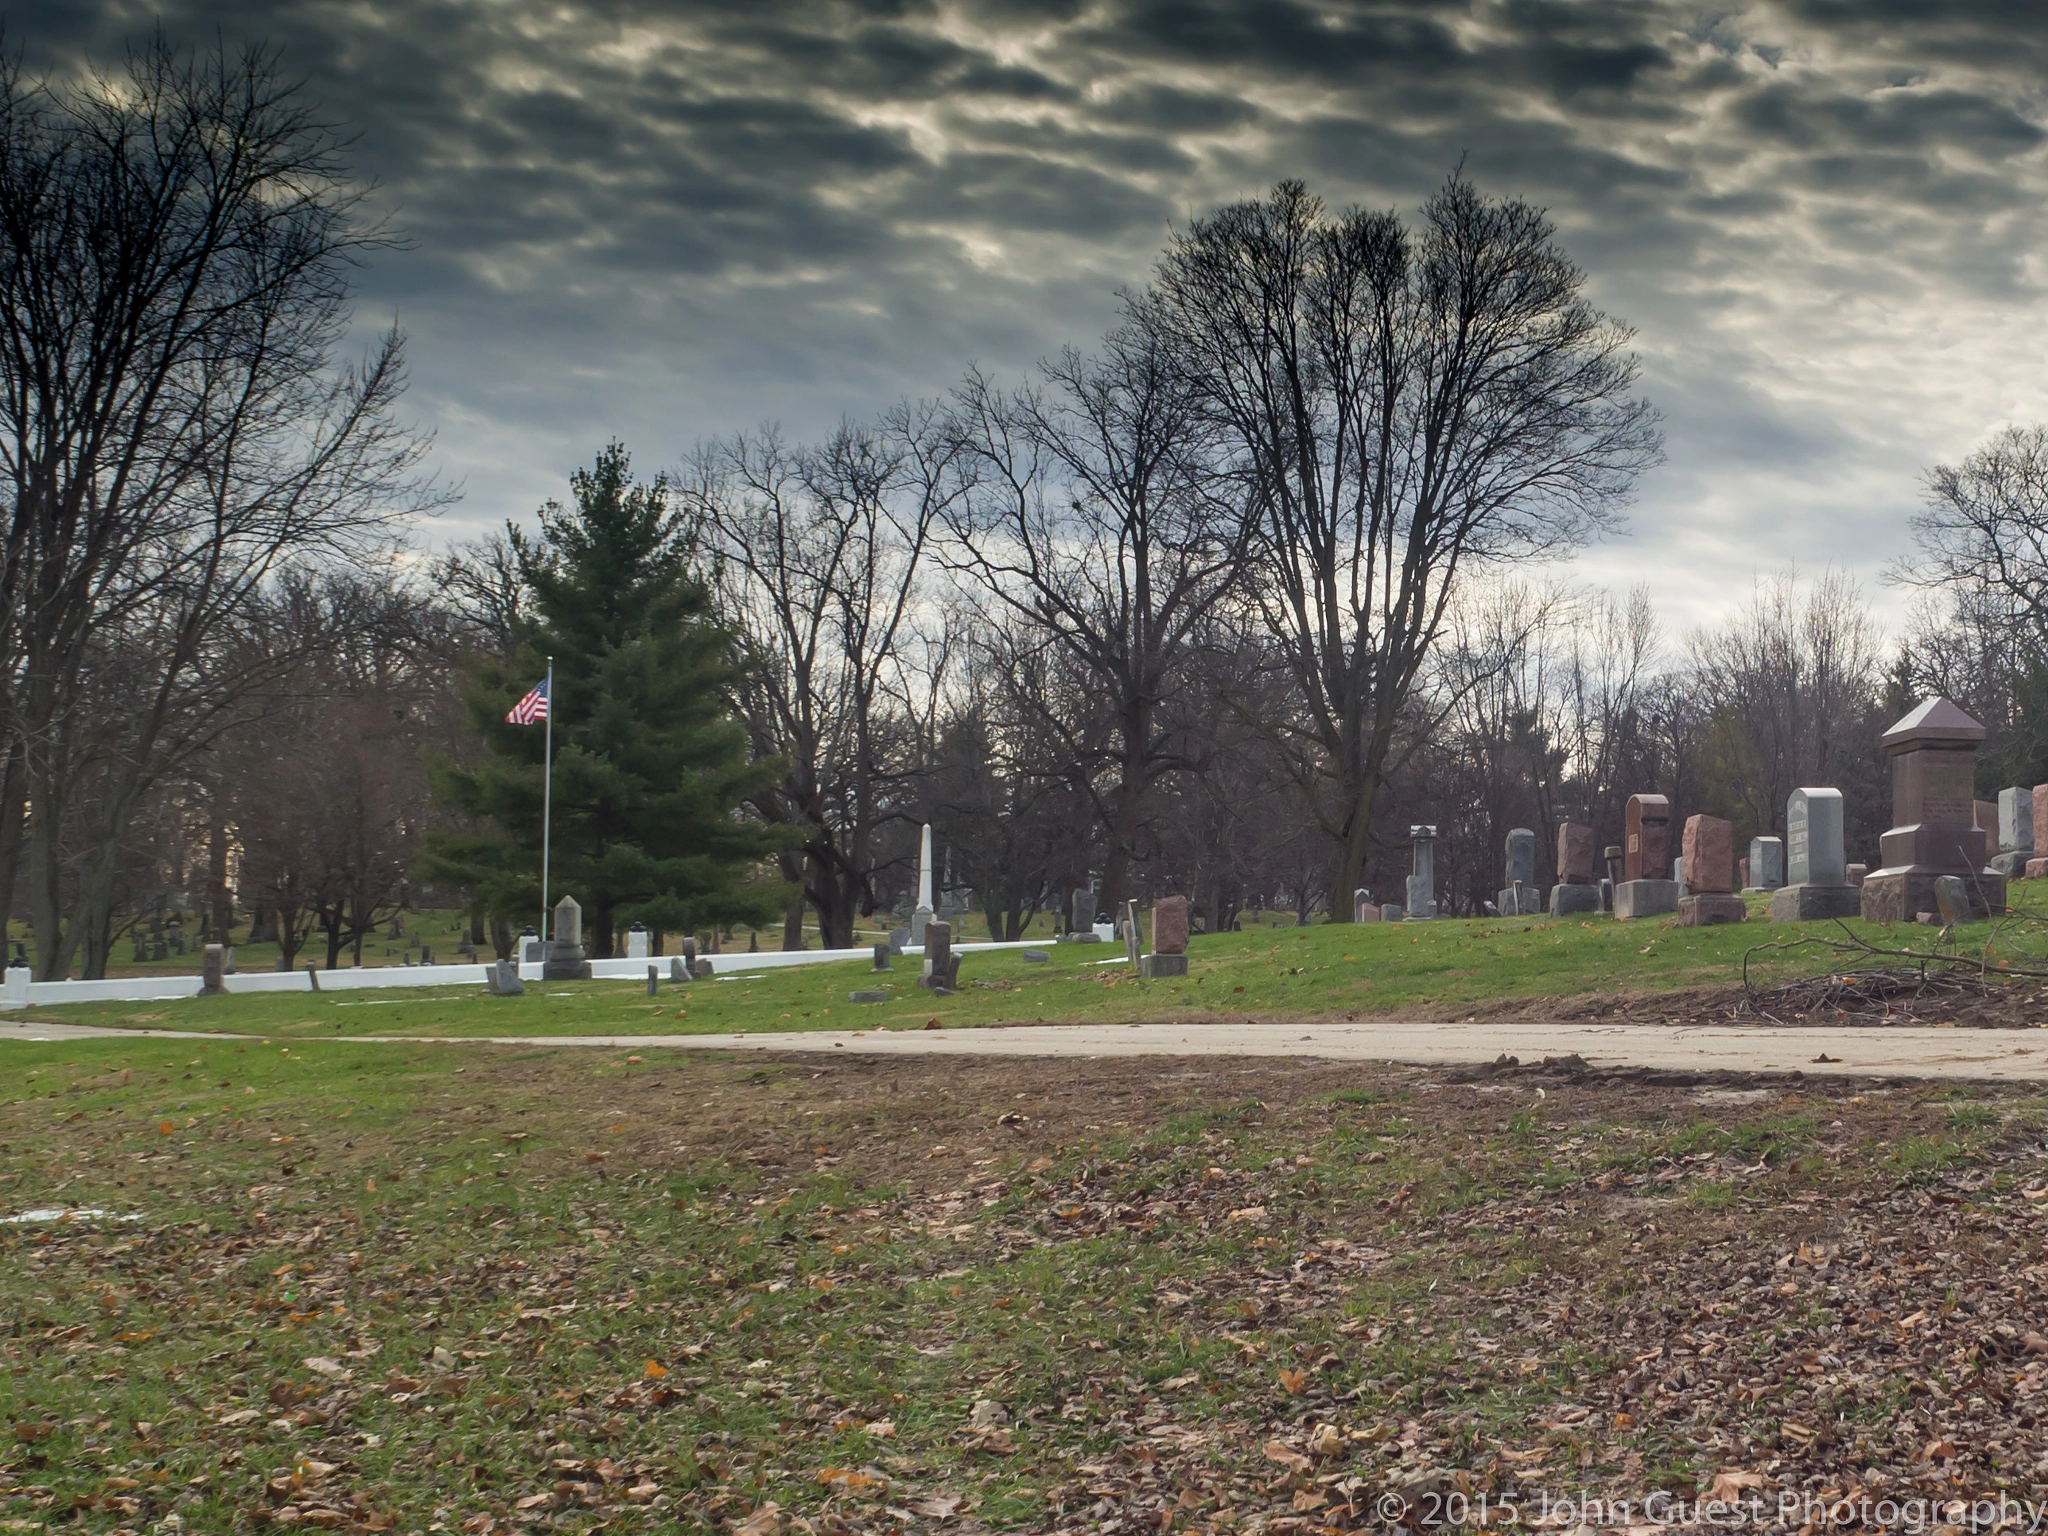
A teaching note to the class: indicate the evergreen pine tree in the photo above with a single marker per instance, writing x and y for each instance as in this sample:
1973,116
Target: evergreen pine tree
649,768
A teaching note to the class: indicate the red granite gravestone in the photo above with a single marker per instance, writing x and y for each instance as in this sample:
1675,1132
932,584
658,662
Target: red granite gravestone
1646,848
1935,830
1169,955
1574,854
2037,866
1709,850
1170,925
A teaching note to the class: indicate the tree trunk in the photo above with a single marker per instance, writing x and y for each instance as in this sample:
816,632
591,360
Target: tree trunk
793,925
221,901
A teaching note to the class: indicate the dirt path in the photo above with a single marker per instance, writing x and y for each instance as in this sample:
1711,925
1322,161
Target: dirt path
2003,1055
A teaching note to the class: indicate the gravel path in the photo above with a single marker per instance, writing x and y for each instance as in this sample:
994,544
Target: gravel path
2005,1055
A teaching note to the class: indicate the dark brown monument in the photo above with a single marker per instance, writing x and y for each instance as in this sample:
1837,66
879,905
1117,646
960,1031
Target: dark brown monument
1934,818
1646,848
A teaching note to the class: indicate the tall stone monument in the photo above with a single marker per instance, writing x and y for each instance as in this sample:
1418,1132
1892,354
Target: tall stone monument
1935,827
1575,890
1169,955
2015,833
1645,852
1817,881
1422,882
923,912
1709,851
565,960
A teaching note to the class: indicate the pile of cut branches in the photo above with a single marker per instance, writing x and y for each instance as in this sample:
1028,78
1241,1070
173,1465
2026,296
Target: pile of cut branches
1917,986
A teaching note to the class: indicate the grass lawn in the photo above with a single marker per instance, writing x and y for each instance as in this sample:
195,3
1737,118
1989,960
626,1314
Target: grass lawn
493,1290
1439,970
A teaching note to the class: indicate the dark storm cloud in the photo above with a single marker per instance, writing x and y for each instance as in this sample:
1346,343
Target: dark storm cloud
664,220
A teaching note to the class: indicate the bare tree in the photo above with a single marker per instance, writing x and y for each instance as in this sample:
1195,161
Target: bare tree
175,241
820,553
1402,407
1096,514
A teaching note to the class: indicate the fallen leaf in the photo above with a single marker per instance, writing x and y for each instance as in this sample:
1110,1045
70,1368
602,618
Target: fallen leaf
1730,1483
1282,1455
655,1370
1294,1380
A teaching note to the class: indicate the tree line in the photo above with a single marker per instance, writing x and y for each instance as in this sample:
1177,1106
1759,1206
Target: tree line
1220,605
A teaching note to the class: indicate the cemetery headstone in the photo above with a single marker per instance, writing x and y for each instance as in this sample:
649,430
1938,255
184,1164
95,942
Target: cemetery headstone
529,946
2015,836
1645,849
1422,882
898,937
696,967
2037,864
212,967
1952,900
1935,827
1169,955
1370,912
1390,913
1646,841
1575,890
676,969
1361,903
1035,957
636,942
1606,895
1766,864
922,915
1984,816
1709,853
1742,874
565,958
1520,897
1855,874
882,953
502,978
1134,941
868,995
941,965
1817,883
653,980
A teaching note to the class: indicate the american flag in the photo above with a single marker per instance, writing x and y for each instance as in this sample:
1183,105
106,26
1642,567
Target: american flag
532,708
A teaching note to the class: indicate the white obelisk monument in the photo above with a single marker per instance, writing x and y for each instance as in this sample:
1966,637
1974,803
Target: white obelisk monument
923,914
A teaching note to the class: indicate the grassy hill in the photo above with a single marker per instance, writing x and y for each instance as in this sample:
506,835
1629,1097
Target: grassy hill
1443,970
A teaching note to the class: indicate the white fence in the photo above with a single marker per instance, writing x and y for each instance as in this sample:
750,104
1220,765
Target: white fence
17,989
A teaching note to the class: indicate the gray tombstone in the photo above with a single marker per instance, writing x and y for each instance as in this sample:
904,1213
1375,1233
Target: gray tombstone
1678,874
1361,899
1036,957
676,971
696,967
898,937
653,980
565,959
529,946
1606,895
1081,908
1813,838
1134,938
882,953
1766,863
636,942
2016,821
941,965
212,967
502,977
868,995
1390,913
1422,882
1519,895
1952,900
1817,884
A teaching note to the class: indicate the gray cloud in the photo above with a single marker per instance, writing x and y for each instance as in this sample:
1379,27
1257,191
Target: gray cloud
665,221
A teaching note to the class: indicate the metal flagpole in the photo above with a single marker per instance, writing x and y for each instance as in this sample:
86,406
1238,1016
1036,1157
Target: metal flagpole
547,809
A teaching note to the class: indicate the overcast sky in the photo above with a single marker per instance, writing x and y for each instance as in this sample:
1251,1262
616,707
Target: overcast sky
667,221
